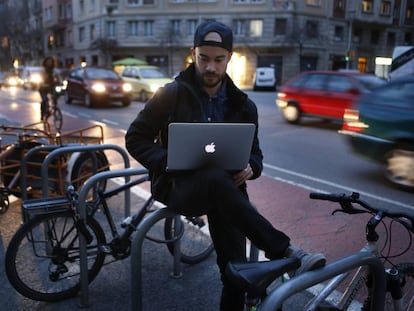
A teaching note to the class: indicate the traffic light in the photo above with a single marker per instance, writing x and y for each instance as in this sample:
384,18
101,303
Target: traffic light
347,55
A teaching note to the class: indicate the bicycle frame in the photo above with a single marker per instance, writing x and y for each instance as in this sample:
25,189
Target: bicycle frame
308,279
358,280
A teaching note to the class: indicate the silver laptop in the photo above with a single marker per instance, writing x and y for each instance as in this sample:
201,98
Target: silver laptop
193,145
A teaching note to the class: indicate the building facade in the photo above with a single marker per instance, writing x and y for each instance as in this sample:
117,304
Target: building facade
289,35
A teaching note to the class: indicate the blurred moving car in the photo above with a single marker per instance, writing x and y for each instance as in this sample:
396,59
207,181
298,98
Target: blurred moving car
323,94
264,78
381,127
32,77
95,85
145,80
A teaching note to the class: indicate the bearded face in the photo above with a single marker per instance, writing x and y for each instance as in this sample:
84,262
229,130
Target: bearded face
211,64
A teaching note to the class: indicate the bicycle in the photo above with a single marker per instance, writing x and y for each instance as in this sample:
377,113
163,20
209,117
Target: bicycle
42,259
48,110
256,277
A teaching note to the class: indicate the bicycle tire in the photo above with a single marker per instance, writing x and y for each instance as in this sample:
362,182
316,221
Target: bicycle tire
83,169
47,269
406,271
195,244
57,119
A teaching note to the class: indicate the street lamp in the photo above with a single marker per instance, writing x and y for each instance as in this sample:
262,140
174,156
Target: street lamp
348,48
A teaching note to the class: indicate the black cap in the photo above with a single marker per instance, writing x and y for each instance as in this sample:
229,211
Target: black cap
224,31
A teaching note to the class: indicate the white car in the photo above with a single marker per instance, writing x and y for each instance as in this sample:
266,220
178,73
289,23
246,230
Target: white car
264,78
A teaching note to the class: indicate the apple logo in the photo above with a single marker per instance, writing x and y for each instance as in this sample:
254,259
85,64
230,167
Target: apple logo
210,148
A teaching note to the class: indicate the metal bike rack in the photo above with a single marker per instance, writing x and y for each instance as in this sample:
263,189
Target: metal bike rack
23,166
136,255
89,184
310,278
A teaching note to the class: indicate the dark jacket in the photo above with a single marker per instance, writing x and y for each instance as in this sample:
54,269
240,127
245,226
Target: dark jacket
146,138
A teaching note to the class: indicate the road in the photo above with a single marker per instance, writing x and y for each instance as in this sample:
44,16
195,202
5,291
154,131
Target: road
297,159
311,155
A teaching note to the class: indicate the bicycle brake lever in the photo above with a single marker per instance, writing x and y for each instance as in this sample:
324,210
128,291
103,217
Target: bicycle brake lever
350,211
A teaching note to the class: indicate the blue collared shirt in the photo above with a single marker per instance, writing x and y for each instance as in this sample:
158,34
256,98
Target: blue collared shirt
214,106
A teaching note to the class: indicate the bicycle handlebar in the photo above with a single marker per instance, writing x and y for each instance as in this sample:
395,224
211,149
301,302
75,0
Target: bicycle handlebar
346,201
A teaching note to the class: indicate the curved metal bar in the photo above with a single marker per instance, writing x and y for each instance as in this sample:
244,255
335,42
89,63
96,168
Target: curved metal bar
23,171
77,148
136,254
82,215
311,278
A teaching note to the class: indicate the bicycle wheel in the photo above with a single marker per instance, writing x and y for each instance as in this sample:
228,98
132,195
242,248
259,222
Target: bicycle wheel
42,259
406,271
57,119
83,169
196,244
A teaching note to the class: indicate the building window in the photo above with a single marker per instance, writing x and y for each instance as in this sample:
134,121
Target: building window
248,1
191,26
92,32
176,27
375,35
239,27
70,37
132,28
385,8
312,30
110,29
148,28
367,6
280,26
339,33
408,38
391,39
357,35
256,28
313,2
82,6
81,34
140,2
409,15
339,8
68,11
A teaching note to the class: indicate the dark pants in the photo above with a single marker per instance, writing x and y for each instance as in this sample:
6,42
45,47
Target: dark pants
44,104
231,217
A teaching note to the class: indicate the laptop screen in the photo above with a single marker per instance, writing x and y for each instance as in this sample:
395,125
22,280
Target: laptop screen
193,145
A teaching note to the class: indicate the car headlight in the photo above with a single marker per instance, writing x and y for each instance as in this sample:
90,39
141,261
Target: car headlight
126,87
36,78
99,87
154,87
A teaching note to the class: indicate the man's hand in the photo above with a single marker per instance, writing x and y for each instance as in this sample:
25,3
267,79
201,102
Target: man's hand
243,175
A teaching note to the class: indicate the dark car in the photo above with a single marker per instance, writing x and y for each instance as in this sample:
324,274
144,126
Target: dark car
323,94
381,127
96,86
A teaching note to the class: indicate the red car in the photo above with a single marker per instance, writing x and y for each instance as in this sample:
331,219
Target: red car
323,94
94,85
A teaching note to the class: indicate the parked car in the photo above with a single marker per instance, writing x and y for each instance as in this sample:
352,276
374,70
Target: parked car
381,127
323,94
264,78
95,85
32,77
145,80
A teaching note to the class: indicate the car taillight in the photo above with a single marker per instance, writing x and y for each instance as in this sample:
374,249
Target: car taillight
352,122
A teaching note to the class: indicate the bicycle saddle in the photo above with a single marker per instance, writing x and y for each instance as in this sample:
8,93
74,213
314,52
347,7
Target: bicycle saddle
255,277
